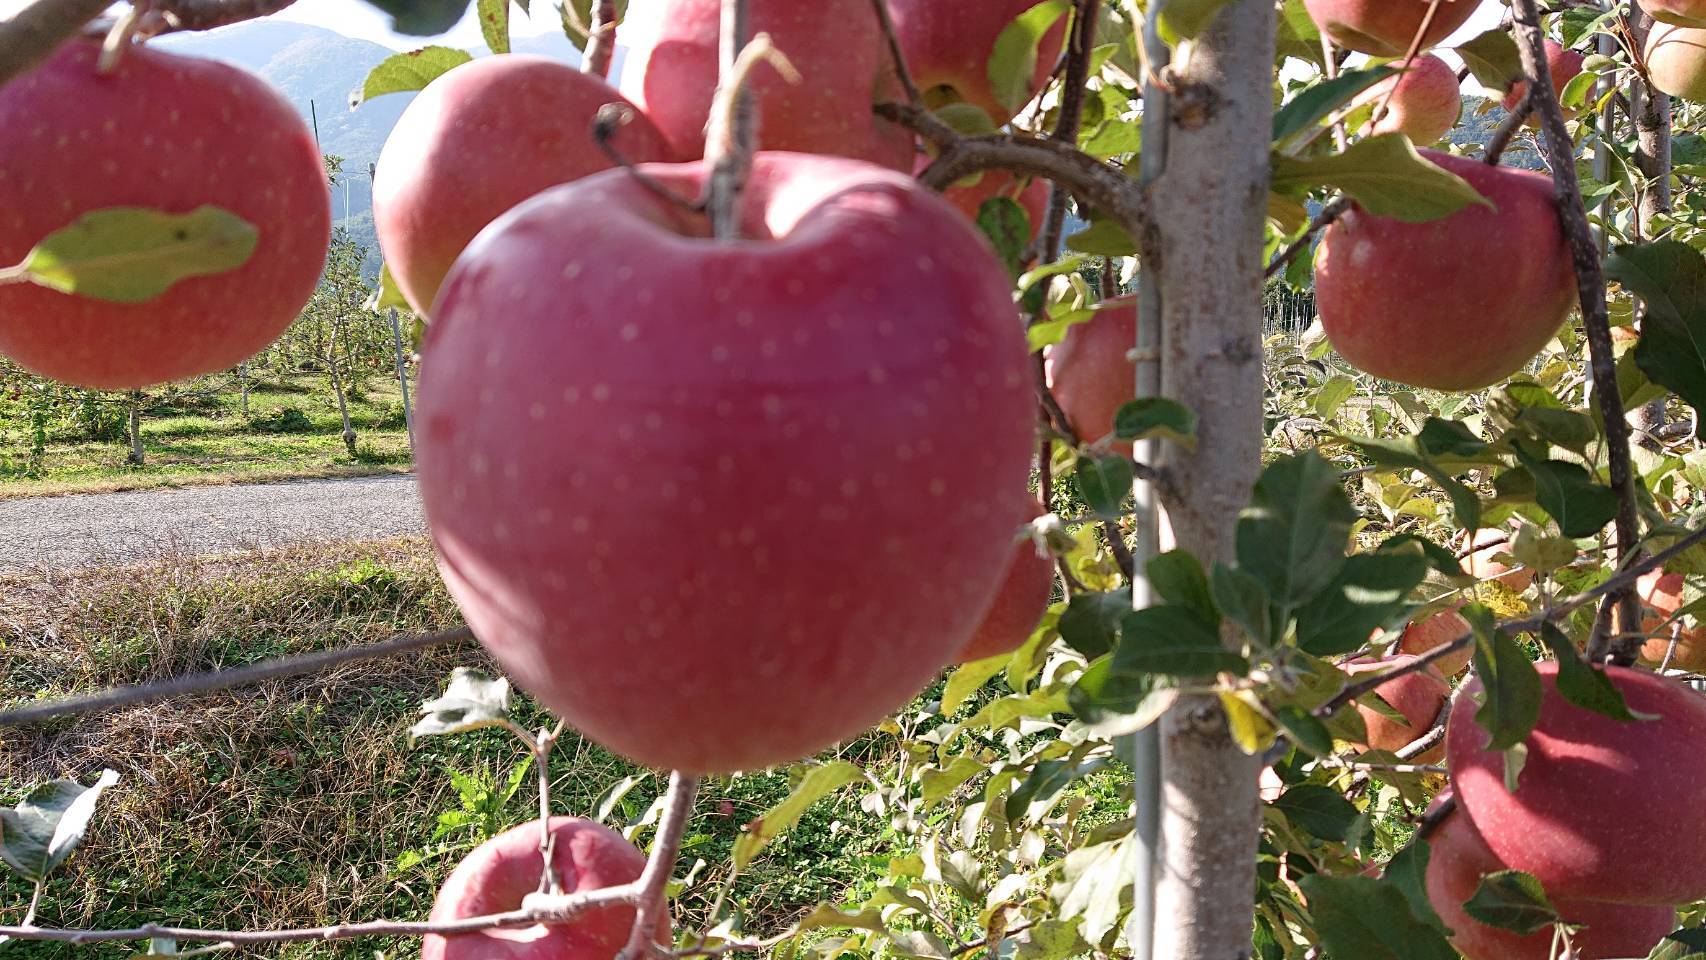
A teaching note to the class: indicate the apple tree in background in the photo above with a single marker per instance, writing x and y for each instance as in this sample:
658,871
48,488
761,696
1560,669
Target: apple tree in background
734,438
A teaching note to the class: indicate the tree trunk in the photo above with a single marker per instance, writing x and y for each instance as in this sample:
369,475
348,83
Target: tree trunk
243,380
135,457
402,375
1209,208
1651,111
343,403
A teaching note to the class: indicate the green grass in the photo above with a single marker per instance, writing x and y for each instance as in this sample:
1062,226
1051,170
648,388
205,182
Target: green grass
304,802
199,435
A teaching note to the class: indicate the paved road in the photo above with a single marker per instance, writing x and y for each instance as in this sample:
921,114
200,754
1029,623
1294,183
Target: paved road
116,528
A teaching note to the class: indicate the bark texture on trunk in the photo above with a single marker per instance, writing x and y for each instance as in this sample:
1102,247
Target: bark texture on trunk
1651,111
1209,209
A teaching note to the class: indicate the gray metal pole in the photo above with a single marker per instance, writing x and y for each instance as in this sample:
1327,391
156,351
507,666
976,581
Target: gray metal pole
402,375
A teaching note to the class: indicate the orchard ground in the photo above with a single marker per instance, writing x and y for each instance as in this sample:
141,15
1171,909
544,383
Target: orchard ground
303,802
196,433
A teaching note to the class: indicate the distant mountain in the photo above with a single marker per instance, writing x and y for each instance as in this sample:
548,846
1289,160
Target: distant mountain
316,69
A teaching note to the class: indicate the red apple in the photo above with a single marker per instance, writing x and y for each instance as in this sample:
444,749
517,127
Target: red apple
1425,101
479,140
1603,809
170,133
726,519
1688,13
1482,564
1456,303
1661,595
1565,64
1089,373
501,872
1419,696
1676,60
1436,631
969,195
948,45
1385,28
1458,857
1019,605
836,45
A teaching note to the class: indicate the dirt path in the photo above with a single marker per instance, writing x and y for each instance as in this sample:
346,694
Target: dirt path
119,528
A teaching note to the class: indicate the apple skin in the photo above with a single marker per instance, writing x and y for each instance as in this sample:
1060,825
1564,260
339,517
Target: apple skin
1482,566
210,134
1425,105
1088,372
501,872
823,434
836,45
1019,605
1688,13
479,140
1456,303
1418,696
1676,60
1661,595
948,44
969,195
1580,765
1435,631
1385,28
1458,857
1566,64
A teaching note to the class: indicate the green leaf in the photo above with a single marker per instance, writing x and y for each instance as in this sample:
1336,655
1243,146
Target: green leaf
1008,228
1242,600
1406,453
1408,871
968,678
494,23
1157,417
1173,640
918,945
819,782
422,18
1246,723
1510,685
1385,175
1305,729
1104,482
1681,945
1093,887
1047,779
937,784
387,295
1361,918
1091,621
1582,684
1566,491
1291,538
1113,704
404,72
1371,590
1103,238
1512,900
134,254
1670,278
1317,101
1493,59
1318,810
1333,395
47,826
1177,577
473,700
577,18
1013,62
1187,19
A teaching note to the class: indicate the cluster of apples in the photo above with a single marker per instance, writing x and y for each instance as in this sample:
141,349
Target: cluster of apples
163,132
1460,302
1675,53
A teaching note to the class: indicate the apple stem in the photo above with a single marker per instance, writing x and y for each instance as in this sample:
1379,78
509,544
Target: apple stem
1596,322
1507,130
651,905
601,39
38,29
614,116
731,134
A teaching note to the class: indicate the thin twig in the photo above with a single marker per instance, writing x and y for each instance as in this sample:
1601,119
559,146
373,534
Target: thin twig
896,55
605,123
1322,220
601,39
216,680
1409,61
1590,280
1507,130
666,849
37,30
